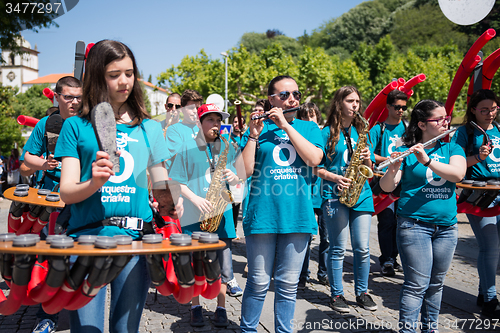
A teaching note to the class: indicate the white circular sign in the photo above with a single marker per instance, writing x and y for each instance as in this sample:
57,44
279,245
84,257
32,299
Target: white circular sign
466,12
217,100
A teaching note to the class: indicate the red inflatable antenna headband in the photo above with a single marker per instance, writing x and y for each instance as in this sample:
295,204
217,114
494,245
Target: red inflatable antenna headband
47,92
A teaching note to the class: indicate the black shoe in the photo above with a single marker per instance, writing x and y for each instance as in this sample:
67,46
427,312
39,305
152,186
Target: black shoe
398,267
366,302
388,269
339,304
220,318
480,300
301,285
491,309
197,317
323,280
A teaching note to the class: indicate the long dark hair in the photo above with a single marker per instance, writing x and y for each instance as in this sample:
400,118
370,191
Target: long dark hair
477,97
95,89
334,118
421,112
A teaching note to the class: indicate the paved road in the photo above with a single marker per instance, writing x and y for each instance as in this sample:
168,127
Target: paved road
458,313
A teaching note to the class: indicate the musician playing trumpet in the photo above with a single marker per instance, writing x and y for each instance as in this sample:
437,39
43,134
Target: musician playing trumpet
483,165
427,224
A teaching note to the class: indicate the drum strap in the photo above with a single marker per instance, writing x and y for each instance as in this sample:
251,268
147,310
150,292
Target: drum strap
132,223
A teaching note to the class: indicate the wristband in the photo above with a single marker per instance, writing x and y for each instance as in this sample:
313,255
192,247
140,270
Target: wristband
252,138
428,162
478,158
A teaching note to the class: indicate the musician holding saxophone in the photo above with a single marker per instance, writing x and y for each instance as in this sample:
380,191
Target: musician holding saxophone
279,154
204,167
427,231
483,165
345,139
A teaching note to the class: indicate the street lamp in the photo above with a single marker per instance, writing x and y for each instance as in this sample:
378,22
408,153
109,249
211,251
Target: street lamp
225,99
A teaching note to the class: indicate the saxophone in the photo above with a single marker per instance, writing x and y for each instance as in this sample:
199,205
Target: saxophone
217,194
357,172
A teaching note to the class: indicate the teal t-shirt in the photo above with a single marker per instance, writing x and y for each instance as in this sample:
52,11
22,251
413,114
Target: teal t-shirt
191,167
37,145
124,194
176,135
385,144
338,165
280,190
490,167
424,195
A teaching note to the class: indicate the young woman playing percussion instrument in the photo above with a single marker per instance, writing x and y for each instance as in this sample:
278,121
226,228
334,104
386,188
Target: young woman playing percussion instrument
97,193
341,133
483,164
278,155
427,231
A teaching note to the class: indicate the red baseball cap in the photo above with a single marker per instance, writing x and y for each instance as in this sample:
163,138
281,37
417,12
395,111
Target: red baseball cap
211,108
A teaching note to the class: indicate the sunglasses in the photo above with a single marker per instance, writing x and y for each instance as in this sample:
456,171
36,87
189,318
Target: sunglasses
486,111
399,107
171,105
70,98
440,121
283,95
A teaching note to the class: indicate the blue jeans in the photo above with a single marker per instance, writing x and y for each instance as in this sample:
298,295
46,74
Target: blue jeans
226,261
487,231
284,252
426,251
128,297
322,252
340,221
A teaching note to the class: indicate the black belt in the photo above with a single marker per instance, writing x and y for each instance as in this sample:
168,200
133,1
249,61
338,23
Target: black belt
132,223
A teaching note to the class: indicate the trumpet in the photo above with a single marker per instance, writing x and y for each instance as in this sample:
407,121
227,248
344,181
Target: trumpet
266,114
408,152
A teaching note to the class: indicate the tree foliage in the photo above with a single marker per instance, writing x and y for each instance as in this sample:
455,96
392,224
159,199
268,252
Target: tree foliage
11,131
32,102
256,42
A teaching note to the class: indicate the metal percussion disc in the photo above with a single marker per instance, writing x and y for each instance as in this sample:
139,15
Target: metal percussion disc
21,193
104,242
196,234
62,243
152,239
50,238
493,182
468,181
52,197
209,238
123,239
43,191
8,237
180,239
22,187
87,239
24,241
479,183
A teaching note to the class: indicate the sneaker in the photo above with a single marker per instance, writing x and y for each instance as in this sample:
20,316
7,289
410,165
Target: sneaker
323,280
388,269
398,267
480,300
197,316
45,326
220,318
339,304
233,289
366,302
491,309
301,285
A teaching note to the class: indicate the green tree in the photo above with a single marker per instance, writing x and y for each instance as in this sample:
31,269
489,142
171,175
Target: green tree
146,97
256,42
11,131
32,102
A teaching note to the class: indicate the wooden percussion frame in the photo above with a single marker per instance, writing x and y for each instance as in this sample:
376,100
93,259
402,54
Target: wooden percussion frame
472,187
33,198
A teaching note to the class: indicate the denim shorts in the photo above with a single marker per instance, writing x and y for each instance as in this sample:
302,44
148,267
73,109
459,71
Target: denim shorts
226,261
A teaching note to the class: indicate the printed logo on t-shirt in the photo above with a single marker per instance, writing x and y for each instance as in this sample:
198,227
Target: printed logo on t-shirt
395,143
430,174
284,145
117,193
494,156
346,153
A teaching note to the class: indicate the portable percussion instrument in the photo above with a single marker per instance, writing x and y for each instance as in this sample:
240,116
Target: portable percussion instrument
31,209
39,271
476,197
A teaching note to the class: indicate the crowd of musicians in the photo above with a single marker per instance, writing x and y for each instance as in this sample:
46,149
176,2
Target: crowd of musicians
295,174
